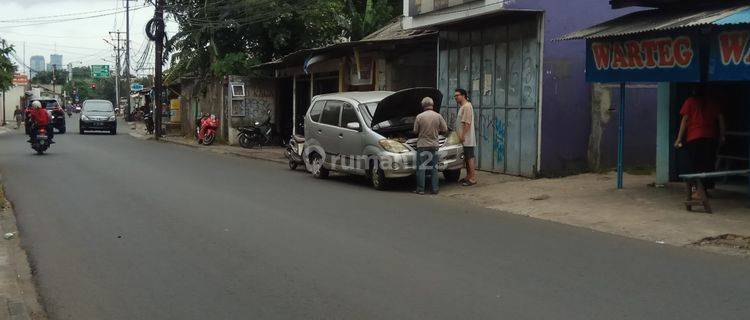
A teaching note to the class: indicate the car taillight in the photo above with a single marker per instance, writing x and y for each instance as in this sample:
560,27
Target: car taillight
42,130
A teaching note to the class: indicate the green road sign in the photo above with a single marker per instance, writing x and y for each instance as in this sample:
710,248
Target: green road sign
100,71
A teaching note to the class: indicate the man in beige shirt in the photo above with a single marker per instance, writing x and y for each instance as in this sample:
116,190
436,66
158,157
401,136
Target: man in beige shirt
427,126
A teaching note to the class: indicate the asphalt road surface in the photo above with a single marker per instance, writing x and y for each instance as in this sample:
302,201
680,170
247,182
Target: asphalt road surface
120,228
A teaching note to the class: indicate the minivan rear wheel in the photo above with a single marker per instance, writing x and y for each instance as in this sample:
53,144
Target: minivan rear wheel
316,166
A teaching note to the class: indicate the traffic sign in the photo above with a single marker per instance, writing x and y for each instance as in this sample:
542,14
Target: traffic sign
100,71
136,87
20,79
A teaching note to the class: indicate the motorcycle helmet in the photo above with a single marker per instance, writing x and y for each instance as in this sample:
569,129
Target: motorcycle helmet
36,104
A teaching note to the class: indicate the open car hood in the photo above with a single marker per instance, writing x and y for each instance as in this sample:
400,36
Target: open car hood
405,103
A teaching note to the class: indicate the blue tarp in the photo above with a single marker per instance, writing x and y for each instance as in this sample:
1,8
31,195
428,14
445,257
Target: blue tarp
736,18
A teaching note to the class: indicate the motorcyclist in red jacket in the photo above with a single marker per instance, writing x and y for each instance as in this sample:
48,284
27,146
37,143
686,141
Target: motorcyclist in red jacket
39,118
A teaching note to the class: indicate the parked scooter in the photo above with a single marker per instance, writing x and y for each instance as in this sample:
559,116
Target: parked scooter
295,151
257,134
148,119
41,143
207,131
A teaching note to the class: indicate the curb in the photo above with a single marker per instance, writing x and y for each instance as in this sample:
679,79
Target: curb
19,300
220,151
5,130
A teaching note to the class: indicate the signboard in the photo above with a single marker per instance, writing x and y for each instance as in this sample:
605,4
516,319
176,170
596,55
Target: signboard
136,87
20,79
100,71
651,59
730,56
361,70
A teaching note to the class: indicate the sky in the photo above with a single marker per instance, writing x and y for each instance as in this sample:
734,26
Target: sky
79,41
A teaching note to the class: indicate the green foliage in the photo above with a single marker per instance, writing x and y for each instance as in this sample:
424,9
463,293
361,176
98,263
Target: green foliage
233,63
45,77
222,37
367,16
7,68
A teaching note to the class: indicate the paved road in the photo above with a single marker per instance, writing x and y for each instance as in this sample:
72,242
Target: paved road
120,228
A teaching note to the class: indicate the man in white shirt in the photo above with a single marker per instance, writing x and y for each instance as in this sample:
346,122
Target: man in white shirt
465,128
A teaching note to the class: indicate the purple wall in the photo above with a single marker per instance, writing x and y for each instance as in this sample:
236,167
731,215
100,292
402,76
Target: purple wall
566,101
640,127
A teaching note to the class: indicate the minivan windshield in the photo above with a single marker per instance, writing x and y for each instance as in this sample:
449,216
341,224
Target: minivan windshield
368,110
97,106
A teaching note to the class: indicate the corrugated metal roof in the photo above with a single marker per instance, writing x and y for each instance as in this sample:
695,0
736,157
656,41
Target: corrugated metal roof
664,20
393,32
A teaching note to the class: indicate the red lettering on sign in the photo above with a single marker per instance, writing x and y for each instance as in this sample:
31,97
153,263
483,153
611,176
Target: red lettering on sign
602,55
620,60
649,46
732,45
635,59
683,51
664,47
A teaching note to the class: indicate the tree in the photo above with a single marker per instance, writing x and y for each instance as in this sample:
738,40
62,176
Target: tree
45,77
7,68
221,37
367,16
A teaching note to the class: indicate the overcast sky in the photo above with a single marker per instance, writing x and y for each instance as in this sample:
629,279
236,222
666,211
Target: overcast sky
79,41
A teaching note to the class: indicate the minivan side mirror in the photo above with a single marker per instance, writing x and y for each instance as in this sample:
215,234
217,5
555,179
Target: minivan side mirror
353,126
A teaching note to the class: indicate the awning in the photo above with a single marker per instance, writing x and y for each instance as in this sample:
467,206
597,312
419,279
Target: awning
665,20
389,35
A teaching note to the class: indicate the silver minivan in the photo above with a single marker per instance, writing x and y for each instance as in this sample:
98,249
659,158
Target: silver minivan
370,133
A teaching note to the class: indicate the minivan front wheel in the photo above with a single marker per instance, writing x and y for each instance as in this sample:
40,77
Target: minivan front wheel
377,176
452,175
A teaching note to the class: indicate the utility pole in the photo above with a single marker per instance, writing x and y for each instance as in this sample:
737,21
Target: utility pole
158,52
4,123
127,57
118,50
54,68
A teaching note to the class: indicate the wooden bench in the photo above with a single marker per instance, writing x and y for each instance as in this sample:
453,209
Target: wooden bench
694,180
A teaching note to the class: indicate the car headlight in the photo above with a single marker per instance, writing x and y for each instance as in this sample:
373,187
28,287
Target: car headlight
112,118
452,139
393,146
83,117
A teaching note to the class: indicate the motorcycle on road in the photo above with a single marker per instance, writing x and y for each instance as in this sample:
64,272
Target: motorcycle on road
42,142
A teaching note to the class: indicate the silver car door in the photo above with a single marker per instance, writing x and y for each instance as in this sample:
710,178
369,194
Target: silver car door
351,139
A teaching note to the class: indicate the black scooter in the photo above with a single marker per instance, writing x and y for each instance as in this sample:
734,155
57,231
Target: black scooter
256,135
41,143
58,120
148,119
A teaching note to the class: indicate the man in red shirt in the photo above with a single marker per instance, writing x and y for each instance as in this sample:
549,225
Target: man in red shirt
703,127
39,119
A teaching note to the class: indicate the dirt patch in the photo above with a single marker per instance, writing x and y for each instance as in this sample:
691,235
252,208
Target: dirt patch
728,241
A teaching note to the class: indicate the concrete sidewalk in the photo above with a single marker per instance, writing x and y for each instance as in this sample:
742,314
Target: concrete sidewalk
592,201
18,297
266,153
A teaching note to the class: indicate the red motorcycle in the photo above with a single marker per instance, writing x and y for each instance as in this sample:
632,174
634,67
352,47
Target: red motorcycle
207,130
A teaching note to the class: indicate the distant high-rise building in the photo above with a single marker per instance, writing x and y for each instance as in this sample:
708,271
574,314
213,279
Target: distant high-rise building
36,63
56,60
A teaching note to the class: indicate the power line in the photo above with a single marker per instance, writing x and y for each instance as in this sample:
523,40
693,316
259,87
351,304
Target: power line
71,19
56,16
